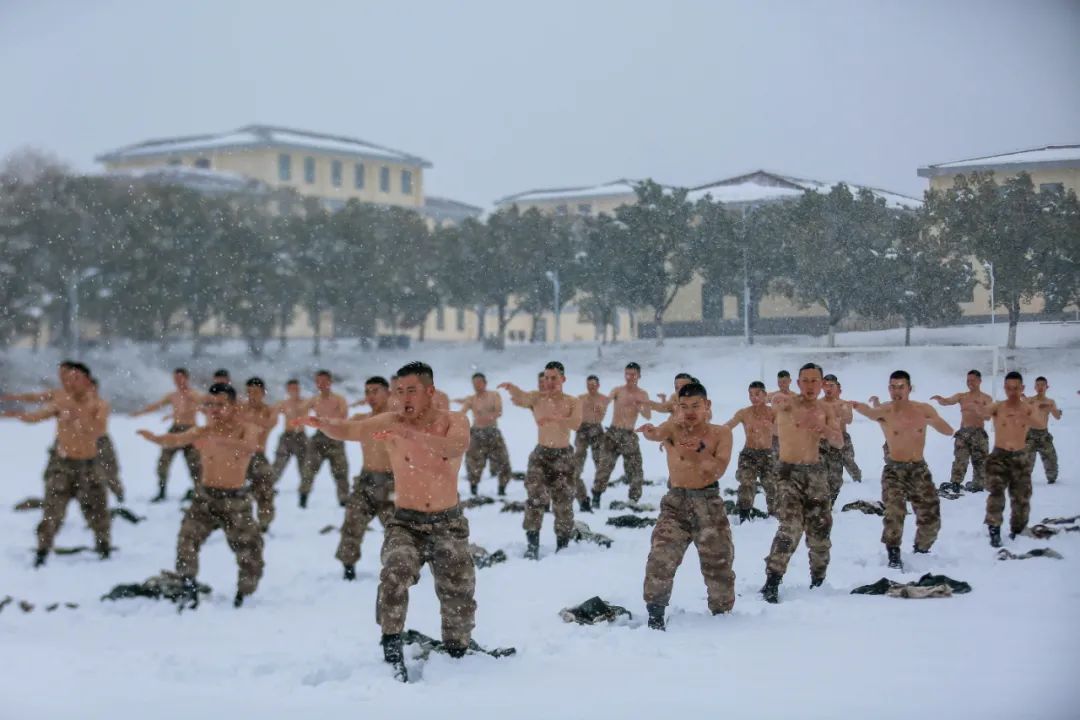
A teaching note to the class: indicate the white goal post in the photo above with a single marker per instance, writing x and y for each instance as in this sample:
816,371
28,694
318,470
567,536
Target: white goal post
771,363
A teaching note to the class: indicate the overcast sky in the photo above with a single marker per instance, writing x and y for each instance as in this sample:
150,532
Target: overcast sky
505,96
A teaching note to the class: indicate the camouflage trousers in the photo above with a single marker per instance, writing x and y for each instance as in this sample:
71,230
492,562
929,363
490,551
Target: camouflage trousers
321,448
590,436
372,497
620,442
804,507
901,483
698,517
848,457
550,477
191,457
229,510
1008,471
1042,442
970,443
109,466
290,444
260,478
487,447
756,466
833,460
442,540
65,480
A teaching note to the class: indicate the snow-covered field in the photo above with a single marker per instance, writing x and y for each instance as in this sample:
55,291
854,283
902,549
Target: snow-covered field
306,644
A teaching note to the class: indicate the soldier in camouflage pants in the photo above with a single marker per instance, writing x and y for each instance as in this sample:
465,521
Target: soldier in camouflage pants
372,497
833,460
1042,442
620,442
590,436
1008,471
755,466
442,540
320,448
698,517
848,458
109,466
971,443
191,457
229,510
260,478
804,506
550,477
901,483
486,445
67,479
291,443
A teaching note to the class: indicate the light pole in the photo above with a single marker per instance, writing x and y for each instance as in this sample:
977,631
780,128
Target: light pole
553,276
993,305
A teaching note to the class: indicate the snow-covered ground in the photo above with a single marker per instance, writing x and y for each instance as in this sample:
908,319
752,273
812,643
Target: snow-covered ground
306,644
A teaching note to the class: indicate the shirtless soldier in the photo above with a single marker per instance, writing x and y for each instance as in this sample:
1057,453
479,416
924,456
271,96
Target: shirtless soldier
906,477
847,454
1009,466
692,511
550,476
756,458
667,404
834,457
971,441
373,489
73,471
802,485
329,405
628,401
185,404
1039,439
292,442
425,446
226,444
783,381
590,436
486,443
260,476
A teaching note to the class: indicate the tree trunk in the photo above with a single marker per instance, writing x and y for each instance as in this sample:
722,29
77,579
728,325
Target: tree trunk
502,323
831,337
658,318
481,317
422,330
283,339
907,333
163,341
1014,320
196,338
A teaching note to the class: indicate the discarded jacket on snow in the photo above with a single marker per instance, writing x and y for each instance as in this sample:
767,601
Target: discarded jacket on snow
631,506
167,585
875,507
593,611
1040,532
623,480
949,491
30,503
582,532
477,501
1062,520
29,606
1004,554
125,514
429,645
483,559
77,549
927,586
731,508
631,521
513,506
327,529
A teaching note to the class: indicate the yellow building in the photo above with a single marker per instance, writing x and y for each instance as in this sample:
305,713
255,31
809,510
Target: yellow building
1054,167
574,201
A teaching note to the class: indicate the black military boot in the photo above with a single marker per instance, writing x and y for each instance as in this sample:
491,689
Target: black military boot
596,501
770,591
894,557
586,506
656,616
919,551
160,497
995,536
303,500
474,489
393,654
455,649
502,491
350,572
744,515
104,551
561,543
532,552
39,558
238,601
816,580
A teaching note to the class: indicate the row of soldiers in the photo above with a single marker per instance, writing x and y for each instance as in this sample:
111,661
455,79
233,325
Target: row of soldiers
413,451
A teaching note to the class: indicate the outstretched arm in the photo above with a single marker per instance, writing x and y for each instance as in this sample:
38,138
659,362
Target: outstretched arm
734,421
951,400
452,445
359,430
49,411
164,402
874,411
937,422
172,440
716,464
657,433
518,396
34,397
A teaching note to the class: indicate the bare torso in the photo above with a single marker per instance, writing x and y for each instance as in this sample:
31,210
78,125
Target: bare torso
486,407
904,425
627,403
758,423
423,481
185,404
80,421
376,456
262,419
593,407
293,409
686,450
1041,407
1012,420
224,462
973,407
331,405
800,426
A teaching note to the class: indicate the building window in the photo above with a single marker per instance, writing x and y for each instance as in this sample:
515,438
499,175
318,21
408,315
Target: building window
461,319
384,179
406,182
440,318
203,163
358,176
1052,187
584,209
335,173
560,210
284,167
309,170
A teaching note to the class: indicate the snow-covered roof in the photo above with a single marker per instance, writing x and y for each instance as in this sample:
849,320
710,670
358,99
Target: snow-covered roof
764,187
440,209
1051,156
615,188
203,180
258,137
